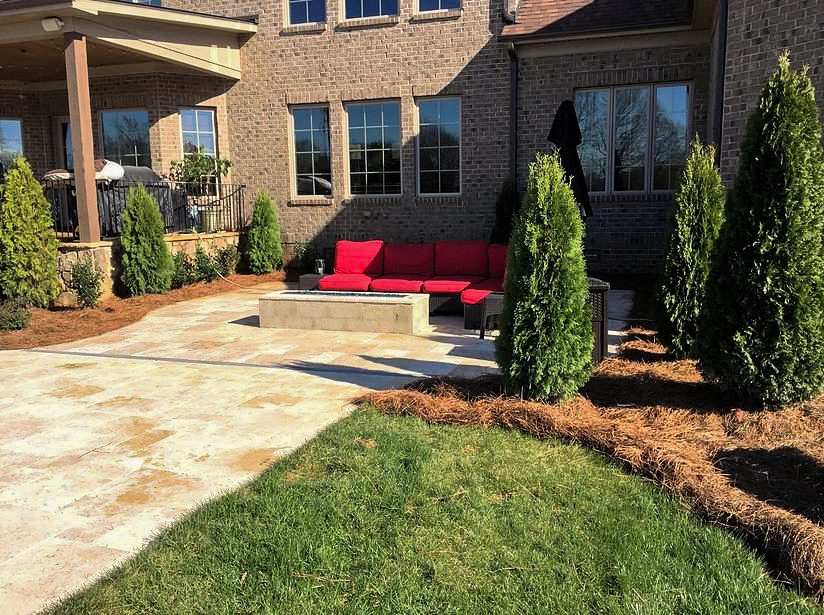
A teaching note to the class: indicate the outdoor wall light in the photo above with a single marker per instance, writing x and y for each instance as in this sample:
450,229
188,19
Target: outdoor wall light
52,24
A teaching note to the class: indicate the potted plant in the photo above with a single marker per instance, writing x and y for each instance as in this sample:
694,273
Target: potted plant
201,174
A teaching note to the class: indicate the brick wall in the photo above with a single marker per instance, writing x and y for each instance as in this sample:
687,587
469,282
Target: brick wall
401,59
627,234
757,32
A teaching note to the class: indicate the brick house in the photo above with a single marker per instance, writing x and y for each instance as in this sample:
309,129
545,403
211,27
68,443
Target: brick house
397,119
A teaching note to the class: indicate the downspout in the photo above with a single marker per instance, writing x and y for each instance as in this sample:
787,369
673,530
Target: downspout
720,78
513,110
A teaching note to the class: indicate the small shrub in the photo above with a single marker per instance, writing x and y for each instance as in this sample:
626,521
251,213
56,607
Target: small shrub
205,269
761,332
699,211
183,270
14,314
305,255
147,264
87,282
265,250
545,346
28,246
506,211
226,260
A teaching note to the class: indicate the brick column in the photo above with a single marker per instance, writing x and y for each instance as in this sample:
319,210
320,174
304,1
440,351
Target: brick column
80,117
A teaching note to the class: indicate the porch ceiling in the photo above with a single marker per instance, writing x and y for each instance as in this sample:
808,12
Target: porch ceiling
119,34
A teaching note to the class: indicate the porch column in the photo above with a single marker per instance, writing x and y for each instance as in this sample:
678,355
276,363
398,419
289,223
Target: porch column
80,117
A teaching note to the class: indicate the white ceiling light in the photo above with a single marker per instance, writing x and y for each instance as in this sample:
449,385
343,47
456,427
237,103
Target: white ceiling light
52,24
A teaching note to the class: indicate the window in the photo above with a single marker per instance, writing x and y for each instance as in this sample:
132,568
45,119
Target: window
356,9
439,146
374,148
307,11
634,139
438,5
126,137
313,161
11,141
198,128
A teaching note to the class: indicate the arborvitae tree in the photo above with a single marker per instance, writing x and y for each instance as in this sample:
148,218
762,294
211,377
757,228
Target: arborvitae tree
147,263
545,346
506,210
699,212
28,246
265,250
762,328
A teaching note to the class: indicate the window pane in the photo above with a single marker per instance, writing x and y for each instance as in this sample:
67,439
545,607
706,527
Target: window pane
377,126
317,11
198,126
313,158
11,141
593,118
188,120
126,137
631,138
439,143
671,120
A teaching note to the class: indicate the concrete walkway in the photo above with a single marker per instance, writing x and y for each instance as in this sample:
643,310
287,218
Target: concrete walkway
105,441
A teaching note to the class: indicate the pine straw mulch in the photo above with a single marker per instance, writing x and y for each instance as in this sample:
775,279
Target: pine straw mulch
59,326
760,473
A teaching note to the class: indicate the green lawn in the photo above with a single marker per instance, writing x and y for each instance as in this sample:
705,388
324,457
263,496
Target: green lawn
390,515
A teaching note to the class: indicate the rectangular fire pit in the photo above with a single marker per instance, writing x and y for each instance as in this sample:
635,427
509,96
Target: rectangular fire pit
345,311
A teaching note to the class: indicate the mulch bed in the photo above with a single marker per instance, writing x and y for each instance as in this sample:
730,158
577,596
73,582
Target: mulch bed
59,326
760,473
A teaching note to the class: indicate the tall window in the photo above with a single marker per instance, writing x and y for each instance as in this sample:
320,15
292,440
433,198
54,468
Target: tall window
313,161
355,9
634,138
374,148
438,5
439,146
198,128
126,137
11,141
307,11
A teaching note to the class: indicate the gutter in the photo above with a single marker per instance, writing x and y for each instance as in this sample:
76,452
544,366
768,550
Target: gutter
720,78
513,110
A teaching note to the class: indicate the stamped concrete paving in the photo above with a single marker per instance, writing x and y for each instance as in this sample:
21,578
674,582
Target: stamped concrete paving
106,440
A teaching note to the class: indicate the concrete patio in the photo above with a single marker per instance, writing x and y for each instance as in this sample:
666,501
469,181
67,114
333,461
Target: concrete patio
107,440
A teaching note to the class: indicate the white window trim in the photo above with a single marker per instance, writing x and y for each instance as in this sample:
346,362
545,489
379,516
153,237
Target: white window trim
287,18
418,146
343,18
420,11
19,120
124,110
214,128
293,158
348,182
649,171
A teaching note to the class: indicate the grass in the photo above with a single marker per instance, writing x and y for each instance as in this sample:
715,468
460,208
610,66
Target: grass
391,515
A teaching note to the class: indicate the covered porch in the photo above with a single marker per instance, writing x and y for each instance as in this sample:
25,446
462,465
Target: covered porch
86,79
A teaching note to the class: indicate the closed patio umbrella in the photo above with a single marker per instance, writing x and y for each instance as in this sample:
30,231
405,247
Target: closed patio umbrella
565,133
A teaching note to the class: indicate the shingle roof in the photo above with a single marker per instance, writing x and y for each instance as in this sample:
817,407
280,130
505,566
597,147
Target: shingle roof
554,18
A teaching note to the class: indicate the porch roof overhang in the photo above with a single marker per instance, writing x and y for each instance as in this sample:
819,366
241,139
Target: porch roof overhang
119,34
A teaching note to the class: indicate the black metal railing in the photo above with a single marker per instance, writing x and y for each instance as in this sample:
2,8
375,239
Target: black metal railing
185,207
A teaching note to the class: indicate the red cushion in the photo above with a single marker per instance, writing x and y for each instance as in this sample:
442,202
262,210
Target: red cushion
359,257
397,284
409,259
345,281
449,284
497,261
478,292
464,258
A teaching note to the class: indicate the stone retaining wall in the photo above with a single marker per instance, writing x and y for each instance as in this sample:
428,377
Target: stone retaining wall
107,254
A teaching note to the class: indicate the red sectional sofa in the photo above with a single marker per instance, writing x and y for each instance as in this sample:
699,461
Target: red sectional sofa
455,274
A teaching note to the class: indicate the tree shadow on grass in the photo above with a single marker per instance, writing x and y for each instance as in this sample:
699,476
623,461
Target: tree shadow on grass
785,477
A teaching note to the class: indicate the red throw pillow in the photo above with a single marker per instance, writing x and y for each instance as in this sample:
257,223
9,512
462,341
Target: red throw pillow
359,257
461,258
409,259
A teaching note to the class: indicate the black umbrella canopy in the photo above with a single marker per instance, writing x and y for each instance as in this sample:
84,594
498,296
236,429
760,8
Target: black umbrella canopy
565,133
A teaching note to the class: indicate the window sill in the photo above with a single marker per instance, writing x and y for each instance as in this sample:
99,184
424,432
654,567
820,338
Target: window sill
369,22
310,201
304,28
454,197
374,198
440,15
